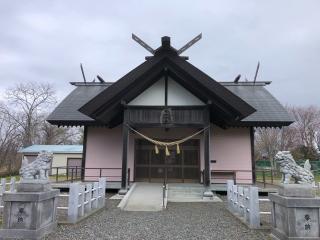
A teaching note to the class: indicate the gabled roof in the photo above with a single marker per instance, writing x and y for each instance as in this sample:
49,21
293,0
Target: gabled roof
239,104
269,111
224,105
53,149
66,113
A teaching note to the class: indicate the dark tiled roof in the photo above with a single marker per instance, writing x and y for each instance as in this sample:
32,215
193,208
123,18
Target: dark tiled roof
268,107
67,110
269,111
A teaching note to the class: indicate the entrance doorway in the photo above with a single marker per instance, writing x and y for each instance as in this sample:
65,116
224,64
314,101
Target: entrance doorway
152,167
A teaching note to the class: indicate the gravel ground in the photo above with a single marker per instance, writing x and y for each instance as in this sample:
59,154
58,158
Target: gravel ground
179,221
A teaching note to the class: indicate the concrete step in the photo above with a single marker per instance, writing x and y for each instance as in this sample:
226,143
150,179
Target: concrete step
184,195
186,190
188,193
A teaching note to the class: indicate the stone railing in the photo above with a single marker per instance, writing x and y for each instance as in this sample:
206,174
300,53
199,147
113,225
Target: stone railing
83,200
6,187
243,202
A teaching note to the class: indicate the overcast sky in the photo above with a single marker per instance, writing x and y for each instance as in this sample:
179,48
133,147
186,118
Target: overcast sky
46,40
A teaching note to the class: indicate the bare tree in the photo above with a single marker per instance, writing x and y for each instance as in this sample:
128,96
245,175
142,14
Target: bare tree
9,142
306,126
22,122
29,100
50,134
317,141
301,137
268,141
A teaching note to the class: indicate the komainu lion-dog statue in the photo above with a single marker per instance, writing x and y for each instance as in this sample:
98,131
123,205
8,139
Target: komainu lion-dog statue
289,168
38,169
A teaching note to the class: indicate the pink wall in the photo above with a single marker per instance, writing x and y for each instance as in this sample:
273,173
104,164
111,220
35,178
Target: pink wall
104,150
230,148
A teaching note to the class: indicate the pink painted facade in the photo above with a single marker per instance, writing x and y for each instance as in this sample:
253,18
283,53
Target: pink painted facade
230,148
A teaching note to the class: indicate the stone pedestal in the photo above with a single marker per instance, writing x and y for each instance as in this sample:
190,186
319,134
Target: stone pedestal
123,191
207,195
295,213
32,186
29,214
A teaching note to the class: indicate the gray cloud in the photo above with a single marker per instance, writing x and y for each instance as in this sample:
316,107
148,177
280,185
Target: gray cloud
46,40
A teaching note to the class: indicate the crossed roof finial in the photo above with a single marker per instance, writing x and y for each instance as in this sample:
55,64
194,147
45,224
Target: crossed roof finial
167,41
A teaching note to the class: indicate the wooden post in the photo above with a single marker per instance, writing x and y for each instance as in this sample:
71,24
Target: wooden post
125,139
253,162
57,174
129,177
207,172
73,202
264,178
72,174
84,152
76,173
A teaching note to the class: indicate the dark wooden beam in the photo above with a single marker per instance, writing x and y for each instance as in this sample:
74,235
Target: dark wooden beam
207,157
84,152
166,87
207,170
125,139
253,162
180,117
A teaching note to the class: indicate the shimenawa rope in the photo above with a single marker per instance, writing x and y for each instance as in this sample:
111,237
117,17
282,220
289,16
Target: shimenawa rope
166,144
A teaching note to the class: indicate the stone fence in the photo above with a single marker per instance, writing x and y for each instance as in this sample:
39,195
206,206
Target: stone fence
83,200
243,202
6,187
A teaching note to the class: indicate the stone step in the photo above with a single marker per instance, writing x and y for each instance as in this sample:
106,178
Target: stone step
186,190
185,193
183,197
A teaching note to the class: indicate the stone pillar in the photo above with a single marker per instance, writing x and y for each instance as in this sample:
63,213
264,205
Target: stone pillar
29,213
295,213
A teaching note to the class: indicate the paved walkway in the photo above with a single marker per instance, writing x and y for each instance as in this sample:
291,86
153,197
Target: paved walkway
180,221
145,197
